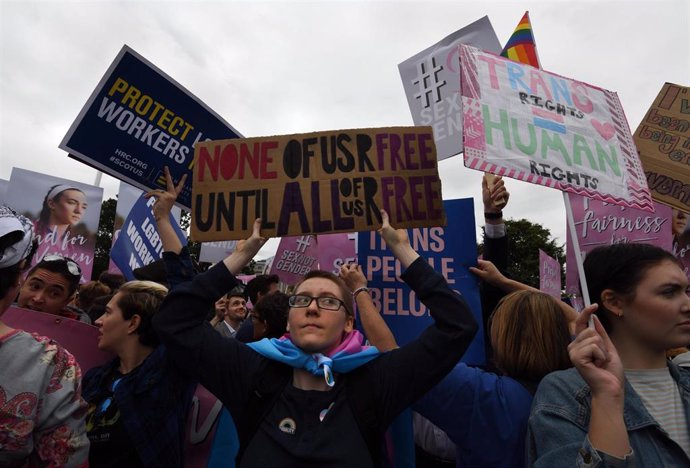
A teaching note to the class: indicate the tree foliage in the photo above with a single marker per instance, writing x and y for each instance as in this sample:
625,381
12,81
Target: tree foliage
104,237
525,238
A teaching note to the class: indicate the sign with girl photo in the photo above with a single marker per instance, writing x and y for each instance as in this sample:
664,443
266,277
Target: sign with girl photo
65,215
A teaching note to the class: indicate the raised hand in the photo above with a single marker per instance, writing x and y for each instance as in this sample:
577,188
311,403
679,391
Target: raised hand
495,196
488,272
353,276
397,241
595,357
165,199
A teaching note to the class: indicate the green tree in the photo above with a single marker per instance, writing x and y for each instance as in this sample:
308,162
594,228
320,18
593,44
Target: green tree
104,237
525,238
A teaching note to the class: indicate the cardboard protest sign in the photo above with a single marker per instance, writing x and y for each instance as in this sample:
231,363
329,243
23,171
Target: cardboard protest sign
549,275
336,250
316,183
532,125
431,81
451,250
65,215
663,140
139,120
139,243
599,223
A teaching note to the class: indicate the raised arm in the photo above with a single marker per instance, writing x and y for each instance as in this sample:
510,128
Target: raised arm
402,375
165,199
375,328
178,263
488,272
223,366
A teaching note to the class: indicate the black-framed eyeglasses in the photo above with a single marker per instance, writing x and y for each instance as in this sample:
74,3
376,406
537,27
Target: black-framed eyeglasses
72,266
322,302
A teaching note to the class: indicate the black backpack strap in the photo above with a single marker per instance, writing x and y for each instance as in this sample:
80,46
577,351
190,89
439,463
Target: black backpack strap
267,387
363,406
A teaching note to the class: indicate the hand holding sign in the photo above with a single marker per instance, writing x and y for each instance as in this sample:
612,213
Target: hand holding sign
398,241
494,193
246,249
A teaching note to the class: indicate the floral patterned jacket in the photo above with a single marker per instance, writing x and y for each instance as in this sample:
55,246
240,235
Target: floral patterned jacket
41,408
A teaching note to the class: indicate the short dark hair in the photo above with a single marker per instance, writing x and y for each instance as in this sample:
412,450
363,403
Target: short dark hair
142,298
60,267
112,280
273,309
344,290
238,291
89,291
620,267
260,284
98,307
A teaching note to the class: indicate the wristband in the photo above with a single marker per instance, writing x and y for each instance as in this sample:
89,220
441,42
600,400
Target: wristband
498,215
359,290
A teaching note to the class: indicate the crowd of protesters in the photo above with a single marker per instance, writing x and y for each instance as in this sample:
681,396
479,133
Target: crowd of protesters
305,388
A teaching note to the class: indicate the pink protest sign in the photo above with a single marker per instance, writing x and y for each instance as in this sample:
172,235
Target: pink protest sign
532,125
295,257
336,250
78,338
600,223
549,275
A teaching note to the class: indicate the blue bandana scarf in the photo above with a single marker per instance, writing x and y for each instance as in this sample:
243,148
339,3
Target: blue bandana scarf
349,355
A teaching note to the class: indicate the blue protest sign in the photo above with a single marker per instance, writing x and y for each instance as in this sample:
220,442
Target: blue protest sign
139,243
139,120
451,250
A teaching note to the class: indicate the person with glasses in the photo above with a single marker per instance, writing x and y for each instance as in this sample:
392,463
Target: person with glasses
51,285
138,402
316,396
41,409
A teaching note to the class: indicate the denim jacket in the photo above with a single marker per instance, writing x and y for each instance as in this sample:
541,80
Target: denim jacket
559,422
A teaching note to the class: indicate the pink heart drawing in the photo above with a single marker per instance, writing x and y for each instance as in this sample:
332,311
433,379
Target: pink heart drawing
606,130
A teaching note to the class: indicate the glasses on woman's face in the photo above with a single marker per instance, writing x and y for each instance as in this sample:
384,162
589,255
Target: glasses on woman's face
322,302
72,266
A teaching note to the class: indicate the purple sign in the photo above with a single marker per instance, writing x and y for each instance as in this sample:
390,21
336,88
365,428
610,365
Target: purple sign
549,275
295,257
336,250
599,223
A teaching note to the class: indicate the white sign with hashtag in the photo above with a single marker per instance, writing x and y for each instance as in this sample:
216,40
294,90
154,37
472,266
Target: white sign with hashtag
431,80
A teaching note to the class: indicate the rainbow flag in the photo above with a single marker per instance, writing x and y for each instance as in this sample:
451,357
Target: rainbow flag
521,46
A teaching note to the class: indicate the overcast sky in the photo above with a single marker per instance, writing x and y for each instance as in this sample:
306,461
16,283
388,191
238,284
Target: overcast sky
293,67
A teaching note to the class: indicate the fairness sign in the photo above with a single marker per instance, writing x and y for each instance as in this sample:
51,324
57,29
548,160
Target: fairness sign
322,182
663,140
139,120
531,125
599,223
